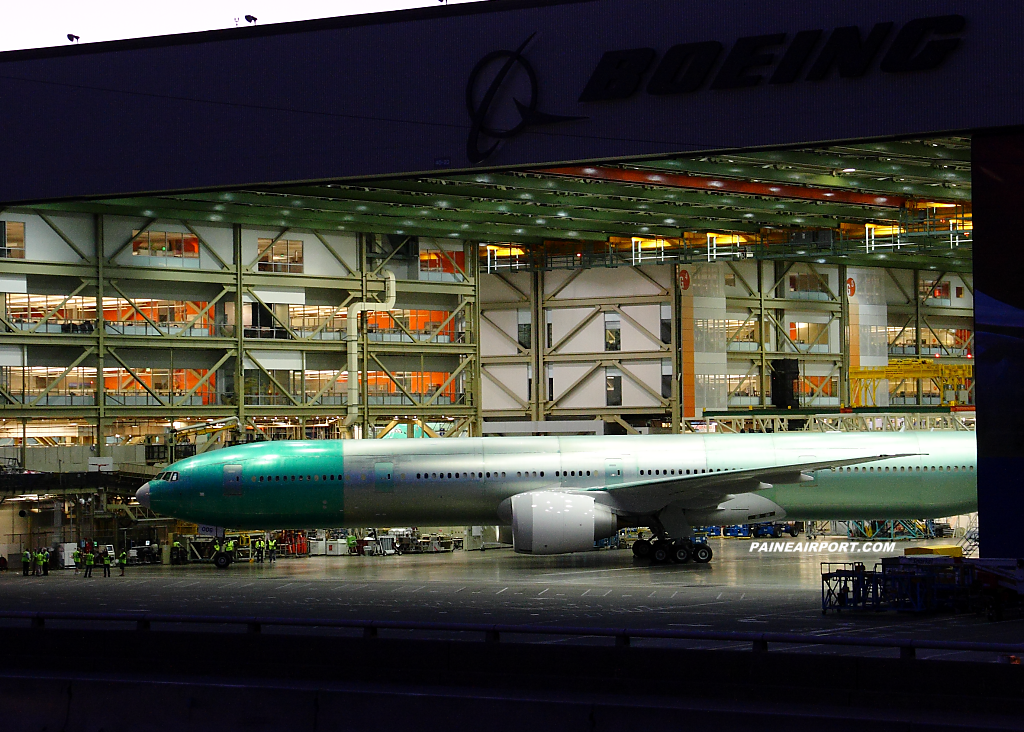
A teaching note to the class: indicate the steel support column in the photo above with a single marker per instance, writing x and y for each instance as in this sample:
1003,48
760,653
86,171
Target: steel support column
539,396
844,338
675,396
239,272
101,334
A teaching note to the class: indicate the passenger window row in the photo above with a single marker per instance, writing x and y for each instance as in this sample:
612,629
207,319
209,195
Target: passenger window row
279,478
471,475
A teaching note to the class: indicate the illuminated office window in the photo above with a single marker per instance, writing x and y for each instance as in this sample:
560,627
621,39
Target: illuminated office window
525,328
169,244
12,240
282,255
613,387
612,332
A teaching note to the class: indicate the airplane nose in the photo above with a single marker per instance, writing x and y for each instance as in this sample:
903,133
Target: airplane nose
142,495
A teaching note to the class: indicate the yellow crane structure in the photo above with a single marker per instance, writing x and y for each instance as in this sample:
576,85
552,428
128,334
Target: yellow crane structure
865,381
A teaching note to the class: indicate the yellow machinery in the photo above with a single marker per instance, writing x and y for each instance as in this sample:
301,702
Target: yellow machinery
948,377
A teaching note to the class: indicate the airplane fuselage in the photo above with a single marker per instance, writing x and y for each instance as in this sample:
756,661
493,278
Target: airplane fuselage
465,481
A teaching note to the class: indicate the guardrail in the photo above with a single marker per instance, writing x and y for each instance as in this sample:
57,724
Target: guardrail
492,633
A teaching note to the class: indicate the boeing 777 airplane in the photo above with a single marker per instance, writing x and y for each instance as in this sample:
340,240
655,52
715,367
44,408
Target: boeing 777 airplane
560,494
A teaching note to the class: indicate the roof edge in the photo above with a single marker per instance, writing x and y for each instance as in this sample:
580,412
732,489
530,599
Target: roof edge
478,7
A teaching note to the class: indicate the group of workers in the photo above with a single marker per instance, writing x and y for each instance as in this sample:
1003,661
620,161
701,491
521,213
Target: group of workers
37,563
267,549
262,549
86,559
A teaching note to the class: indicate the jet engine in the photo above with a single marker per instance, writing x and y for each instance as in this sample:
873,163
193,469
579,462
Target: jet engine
545,522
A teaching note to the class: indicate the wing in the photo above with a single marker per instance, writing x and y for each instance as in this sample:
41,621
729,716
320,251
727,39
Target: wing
710,489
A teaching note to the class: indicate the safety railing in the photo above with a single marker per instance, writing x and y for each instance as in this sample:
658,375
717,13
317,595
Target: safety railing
492,633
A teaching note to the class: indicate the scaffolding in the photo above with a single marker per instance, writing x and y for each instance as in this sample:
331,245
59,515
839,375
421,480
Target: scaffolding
951,379
892,530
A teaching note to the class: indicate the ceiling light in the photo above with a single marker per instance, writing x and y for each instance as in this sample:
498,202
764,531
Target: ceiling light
849,170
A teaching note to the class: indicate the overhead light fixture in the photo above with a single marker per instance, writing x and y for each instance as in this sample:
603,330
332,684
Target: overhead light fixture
73,38
849,170
250,19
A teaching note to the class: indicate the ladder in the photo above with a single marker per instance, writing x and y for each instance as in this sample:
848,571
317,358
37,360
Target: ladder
969,541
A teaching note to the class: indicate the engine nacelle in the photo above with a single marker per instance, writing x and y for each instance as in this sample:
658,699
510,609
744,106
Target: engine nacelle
545,522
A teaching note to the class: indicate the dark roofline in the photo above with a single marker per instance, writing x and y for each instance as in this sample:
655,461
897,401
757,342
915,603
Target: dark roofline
479,7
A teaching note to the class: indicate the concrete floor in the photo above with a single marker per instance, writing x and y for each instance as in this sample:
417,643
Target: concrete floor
740,590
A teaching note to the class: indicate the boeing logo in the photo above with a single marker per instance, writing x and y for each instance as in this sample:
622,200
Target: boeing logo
487,112
502,80
922,44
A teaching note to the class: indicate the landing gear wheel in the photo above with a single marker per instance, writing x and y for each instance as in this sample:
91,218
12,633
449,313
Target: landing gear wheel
681,552
222,561
702,553
641,549
660,552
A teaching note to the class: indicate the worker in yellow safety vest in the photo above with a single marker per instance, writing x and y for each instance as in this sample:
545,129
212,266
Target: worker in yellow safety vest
90,559
122,561
26,562
106,564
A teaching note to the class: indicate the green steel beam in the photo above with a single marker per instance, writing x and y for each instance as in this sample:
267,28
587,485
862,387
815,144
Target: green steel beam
531,186
826,164
720,167
551,225
573,208
430,224
506,193
227,410
954,149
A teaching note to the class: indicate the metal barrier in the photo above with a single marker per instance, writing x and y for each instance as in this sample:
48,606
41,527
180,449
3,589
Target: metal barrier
908,647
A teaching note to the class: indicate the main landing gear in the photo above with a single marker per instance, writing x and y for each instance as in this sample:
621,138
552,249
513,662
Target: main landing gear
679,551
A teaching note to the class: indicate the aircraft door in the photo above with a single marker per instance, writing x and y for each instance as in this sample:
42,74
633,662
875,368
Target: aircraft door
232,480
383,477
613,471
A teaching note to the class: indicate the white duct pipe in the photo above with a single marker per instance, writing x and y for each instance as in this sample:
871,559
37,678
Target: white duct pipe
352,342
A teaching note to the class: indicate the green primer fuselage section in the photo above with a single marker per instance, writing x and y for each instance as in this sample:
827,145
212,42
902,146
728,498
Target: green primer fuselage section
430,482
